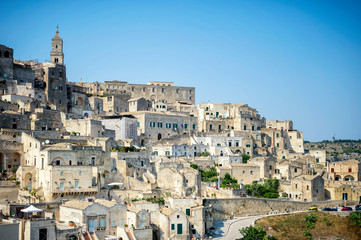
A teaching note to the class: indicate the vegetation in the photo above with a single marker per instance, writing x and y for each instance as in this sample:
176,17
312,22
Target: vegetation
245,158
205,154
267,190
255,233
228,182
209,176
318,225
356,218
195,166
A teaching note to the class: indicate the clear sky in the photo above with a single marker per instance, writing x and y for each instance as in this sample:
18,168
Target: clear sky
291,60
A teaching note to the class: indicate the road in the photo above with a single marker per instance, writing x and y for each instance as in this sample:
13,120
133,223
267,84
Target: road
229,230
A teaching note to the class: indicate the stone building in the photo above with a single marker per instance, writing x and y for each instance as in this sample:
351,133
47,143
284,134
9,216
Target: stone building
305,188
283,137
62,170
346,170
171,224
125,127
154,126
320,156
11,154
181,183
219,117
98,215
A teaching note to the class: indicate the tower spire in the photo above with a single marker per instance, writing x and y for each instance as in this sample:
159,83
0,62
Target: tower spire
56,54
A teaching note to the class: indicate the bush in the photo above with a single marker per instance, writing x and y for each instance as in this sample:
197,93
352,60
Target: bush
356,218
255,233
271,195
245,158
195,166
310,221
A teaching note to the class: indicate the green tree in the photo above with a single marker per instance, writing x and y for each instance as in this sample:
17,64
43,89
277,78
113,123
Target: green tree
255,233
245,158
195,166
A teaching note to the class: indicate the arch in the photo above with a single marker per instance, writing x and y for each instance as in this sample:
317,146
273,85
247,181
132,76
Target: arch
348,178
159,136
28,181
52,83
80,102
86,115
58,161
6,54
16,159
338,178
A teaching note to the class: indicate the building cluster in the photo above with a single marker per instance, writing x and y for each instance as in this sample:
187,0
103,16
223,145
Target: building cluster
116,160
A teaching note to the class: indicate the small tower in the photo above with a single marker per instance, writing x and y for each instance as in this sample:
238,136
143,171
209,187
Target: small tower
56,54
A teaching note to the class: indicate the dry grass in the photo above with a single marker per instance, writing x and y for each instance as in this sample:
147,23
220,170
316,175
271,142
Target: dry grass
293,227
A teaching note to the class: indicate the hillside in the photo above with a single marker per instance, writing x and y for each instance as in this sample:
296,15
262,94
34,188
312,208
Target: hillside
336,148
326,227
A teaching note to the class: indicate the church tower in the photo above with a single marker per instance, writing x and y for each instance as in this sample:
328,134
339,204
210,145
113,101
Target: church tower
56,54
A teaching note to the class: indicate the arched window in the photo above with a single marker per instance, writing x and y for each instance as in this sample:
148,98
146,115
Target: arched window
56,46
56,60
6,54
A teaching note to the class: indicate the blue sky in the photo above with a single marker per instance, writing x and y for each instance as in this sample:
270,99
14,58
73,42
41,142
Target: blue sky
298,60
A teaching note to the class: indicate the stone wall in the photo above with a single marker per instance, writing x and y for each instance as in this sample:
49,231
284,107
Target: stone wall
223,209
9,193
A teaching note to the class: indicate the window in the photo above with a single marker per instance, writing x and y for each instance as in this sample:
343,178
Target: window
167,153
251,172
102,222
163,90
152,124
317,160
138,124
295,185
194,126
113,223
278,135
278,145
160,125
244,127
332,170
237,144
230,144
172,226
61,173
168,125
186,126
270,167
155,153
175,126
177,216
252,128
210,126
295,169
188,212
349,170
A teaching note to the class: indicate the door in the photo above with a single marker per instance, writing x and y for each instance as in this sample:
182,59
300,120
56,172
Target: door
43,234
179,228
91,225
344,196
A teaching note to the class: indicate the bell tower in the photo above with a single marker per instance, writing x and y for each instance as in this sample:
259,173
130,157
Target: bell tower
56,54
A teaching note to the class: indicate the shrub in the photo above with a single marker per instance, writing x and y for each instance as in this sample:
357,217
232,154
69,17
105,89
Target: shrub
310,221
195,166
356,218
255,233
245,158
